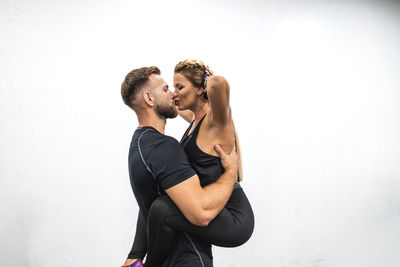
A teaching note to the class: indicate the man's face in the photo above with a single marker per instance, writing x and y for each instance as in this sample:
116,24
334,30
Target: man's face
164,103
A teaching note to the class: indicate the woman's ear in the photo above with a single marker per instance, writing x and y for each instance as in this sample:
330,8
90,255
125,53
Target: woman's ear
200,91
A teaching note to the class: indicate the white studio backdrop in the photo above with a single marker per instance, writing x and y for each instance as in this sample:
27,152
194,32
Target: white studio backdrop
315,93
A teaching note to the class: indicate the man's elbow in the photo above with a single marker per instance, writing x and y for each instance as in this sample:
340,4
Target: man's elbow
200,218
201,222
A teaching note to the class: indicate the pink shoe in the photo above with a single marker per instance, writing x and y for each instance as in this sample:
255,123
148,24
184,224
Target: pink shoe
137,263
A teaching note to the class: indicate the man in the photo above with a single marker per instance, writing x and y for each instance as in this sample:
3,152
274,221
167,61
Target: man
158,165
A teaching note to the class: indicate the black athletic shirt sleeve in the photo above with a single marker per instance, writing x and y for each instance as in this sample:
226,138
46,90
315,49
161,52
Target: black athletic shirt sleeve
170,164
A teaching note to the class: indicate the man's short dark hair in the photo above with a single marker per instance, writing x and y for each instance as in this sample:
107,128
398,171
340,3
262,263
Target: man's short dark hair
134,81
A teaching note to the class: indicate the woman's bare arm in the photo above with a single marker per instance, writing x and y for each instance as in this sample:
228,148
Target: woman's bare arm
187,115
218,95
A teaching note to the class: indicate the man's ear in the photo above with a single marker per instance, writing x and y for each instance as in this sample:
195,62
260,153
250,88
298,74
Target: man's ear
148,98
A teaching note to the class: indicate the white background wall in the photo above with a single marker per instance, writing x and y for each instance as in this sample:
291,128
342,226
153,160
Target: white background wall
315,96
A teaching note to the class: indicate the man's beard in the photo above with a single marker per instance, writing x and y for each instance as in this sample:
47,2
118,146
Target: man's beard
167,111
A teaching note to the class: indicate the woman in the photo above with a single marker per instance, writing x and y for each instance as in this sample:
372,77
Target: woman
203,100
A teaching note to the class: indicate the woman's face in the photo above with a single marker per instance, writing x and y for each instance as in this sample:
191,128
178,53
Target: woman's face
185,94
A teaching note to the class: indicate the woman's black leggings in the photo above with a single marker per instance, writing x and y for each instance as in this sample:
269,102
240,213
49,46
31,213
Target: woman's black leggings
232,227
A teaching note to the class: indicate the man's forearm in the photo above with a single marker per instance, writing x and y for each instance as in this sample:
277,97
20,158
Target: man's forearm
200,205
216,195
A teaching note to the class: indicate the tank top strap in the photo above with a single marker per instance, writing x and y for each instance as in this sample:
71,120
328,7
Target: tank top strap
185,135
195,132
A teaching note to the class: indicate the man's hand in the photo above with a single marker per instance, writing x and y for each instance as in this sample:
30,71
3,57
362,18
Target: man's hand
229,162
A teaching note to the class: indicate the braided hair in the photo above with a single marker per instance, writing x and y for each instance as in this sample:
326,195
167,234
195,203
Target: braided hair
193,70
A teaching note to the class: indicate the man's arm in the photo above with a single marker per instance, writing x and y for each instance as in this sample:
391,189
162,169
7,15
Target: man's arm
201,205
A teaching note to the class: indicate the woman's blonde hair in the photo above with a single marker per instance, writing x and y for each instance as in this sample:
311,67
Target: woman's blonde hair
194,70
239,153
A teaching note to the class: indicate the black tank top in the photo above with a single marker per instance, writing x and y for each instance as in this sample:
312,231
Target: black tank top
208,167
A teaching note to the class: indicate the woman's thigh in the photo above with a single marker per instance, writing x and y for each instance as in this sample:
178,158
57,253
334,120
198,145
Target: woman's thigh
232,227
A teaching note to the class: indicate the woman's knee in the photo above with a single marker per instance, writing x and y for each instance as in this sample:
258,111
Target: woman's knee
161,207
241,235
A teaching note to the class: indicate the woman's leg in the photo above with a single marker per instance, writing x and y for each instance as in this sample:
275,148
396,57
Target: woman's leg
231,228
160,237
